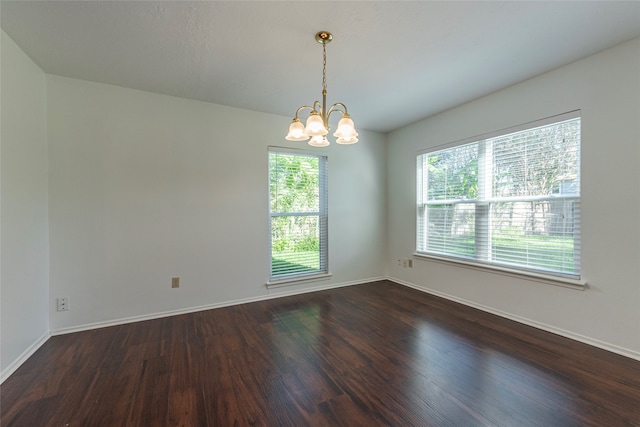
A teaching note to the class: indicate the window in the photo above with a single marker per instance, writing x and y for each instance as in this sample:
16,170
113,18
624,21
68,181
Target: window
298,214
509,199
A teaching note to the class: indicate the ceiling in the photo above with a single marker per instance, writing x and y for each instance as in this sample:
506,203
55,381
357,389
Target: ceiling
391,63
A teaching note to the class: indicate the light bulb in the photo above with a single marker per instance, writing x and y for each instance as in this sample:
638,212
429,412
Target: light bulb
347,140
345,128
319,141
296,131
315,125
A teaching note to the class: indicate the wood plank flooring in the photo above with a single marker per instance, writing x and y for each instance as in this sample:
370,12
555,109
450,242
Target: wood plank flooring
378,354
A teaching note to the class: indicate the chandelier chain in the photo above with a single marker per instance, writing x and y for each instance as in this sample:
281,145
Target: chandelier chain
324,67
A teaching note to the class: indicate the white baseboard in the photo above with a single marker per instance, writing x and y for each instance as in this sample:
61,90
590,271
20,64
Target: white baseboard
6,372
272,293
549,328
290,292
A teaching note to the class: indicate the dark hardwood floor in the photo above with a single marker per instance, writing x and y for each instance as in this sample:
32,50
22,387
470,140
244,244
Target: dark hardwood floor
367,355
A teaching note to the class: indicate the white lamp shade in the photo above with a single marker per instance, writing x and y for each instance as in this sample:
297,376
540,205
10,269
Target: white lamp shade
296,132
347,140
319,141
345,126
315,126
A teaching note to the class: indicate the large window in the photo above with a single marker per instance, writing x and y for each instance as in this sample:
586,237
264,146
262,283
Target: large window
510,199
298,214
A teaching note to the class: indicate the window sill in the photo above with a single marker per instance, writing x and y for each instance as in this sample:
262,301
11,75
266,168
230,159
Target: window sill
297,280
567,282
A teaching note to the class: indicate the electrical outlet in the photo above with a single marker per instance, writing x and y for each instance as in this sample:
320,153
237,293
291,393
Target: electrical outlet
175,282
63,304
399,262
405,263
410,263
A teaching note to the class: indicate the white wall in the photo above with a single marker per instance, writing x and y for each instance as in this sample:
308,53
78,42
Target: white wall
24,259
606,87
144,187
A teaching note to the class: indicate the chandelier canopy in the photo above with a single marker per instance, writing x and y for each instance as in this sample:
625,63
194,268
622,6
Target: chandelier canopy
317,124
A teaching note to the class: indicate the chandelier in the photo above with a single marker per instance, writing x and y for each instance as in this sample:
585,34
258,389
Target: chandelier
317,124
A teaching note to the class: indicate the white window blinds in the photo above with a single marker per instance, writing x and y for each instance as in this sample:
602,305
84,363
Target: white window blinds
298,214
510,199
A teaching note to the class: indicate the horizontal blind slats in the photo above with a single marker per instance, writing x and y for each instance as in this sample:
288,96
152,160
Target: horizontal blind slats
297,199
521,209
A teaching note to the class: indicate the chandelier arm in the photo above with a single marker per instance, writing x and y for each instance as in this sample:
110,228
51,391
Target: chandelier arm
335,107
303,108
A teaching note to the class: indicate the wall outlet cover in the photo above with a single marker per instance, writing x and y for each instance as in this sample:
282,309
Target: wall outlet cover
63,303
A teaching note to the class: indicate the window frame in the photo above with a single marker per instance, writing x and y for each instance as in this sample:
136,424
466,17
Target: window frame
557,278
322,214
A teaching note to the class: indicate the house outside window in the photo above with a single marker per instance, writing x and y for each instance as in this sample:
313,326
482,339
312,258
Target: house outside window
507,199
